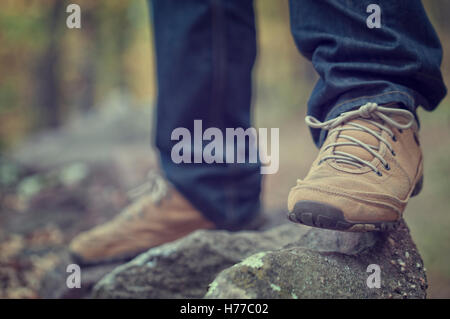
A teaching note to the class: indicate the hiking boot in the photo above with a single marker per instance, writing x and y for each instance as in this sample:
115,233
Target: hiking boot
160,216
366,171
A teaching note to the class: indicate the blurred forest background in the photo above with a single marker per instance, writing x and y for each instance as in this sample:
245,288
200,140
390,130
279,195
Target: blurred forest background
50,75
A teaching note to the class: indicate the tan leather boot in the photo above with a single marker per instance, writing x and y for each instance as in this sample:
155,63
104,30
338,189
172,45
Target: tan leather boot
367,169
159,217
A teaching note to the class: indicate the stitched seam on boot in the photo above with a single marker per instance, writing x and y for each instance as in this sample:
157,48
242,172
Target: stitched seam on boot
397,203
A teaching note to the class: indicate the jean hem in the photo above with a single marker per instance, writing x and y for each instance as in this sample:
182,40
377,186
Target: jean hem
400,97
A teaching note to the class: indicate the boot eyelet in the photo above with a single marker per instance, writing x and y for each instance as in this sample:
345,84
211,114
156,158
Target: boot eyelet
387,166
394,138
393,153
379,173
400,130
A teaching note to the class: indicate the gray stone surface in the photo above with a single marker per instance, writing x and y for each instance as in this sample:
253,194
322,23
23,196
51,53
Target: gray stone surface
287,261
298,272
184,268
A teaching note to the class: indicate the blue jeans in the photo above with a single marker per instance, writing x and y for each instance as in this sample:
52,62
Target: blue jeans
205,51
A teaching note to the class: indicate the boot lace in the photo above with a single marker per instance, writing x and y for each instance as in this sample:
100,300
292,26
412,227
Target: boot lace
155,187
371,113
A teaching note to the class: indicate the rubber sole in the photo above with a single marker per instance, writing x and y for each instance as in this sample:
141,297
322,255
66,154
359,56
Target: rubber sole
79,260
321,215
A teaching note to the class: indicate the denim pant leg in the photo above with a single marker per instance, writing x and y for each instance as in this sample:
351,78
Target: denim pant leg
398,62
205,51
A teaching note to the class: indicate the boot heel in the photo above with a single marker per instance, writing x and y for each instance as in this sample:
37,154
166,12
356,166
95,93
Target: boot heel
418,187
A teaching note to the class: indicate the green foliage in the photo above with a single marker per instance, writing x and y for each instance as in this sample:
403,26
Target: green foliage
24,30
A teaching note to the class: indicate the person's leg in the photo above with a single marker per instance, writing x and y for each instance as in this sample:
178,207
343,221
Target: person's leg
399,62
362,110
205,51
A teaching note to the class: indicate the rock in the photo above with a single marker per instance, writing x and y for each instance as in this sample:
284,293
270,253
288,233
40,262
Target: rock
303,271
184,268
336,241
